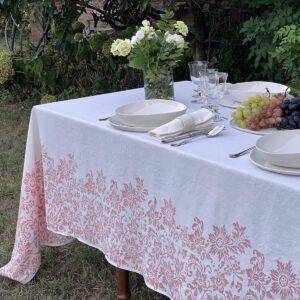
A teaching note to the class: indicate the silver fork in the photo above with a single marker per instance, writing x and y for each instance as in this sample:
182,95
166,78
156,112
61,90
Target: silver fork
235,155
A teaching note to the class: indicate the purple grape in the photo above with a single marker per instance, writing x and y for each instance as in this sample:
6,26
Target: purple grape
295,100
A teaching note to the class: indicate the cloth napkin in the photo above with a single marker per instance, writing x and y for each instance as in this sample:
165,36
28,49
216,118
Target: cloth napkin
201,120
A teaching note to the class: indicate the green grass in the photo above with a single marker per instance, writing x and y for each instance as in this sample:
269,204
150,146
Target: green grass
74,271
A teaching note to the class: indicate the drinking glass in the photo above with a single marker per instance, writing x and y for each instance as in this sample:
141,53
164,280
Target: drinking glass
195,68
217,90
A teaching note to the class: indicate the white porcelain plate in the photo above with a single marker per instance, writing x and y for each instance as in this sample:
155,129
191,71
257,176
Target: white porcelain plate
115,122
242,91
257,159
259,132
228,101
281,148
150,113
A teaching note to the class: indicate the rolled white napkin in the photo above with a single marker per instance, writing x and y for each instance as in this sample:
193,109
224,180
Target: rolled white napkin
201,119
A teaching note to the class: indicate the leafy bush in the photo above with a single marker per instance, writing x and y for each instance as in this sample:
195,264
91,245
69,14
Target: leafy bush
96,41
288,52
6,68
48,99
258,33
78,26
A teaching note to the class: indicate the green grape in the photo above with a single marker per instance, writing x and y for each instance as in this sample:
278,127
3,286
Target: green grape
246,112
239,114
243,124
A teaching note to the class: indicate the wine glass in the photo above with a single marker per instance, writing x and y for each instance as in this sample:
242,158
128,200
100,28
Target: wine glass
195,68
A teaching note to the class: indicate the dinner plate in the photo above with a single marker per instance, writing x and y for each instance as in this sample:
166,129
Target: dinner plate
228,101
258,132
118,124
258,160
242,91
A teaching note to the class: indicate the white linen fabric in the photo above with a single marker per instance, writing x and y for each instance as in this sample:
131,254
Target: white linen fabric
194,222
201,120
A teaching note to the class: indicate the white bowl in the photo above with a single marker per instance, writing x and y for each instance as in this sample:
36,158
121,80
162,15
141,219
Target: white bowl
281,148
244,90
150,113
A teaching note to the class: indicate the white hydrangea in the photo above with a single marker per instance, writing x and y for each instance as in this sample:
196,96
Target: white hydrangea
182,28
137,37
176,39
147,29
121,47
140,35
151,35
146,23
134,40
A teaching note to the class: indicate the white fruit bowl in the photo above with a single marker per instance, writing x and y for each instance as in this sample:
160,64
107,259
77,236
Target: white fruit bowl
150,113
281,148
244,90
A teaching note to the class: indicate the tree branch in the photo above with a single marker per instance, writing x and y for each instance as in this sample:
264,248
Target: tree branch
6,37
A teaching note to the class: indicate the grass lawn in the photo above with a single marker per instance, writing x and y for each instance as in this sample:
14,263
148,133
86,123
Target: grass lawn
74,271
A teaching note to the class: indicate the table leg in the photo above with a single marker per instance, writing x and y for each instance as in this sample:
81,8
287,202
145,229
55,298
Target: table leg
123,284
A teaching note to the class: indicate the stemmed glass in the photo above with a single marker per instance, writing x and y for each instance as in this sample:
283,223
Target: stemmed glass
195,68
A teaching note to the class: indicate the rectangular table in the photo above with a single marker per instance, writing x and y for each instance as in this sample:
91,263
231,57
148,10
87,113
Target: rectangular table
194,222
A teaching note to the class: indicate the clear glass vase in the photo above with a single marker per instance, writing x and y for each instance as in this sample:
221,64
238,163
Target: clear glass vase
159,85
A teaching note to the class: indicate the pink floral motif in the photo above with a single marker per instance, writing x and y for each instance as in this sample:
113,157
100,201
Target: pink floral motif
168,213
31,184
139,232
219,242
284,281
251,296
219,282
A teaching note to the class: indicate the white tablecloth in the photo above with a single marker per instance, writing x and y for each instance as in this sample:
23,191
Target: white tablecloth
195,223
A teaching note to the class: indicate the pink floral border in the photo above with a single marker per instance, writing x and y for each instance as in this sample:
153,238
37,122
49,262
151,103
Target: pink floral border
133,232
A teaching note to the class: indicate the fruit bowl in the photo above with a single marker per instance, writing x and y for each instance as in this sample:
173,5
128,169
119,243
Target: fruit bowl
281,148
244,90
150,113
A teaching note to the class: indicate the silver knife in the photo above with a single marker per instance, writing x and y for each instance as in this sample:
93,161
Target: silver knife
183,136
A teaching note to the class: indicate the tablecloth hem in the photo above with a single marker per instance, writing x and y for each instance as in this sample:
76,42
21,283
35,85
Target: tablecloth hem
111,262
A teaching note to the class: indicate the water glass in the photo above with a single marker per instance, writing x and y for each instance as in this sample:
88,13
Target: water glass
221,79
195,68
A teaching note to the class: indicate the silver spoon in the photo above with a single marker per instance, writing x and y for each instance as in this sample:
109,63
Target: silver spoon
214,132
235,155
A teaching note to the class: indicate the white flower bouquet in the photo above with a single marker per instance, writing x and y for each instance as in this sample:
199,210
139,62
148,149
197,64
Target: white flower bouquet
156,52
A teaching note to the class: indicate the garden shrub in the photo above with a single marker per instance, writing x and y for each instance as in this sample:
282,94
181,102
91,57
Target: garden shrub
48,99
258,37
6,69
96,41
78,26
288,52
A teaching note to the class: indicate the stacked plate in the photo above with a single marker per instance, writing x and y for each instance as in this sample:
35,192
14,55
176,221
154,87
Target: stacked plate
278,152
143,116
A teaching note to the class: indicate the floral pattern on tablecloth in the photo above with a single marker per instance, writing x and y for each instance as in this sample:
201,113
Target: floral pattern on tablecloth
134,232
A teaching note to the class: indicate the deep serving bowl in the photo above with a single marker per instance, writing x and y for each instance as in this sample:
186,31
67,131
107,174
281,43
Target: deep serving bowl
281,148
244,90
150,113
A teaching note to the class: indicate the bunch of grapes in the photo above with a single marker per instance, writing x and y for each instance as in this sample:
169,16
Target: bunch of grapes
291,114
269,115
252,106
